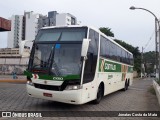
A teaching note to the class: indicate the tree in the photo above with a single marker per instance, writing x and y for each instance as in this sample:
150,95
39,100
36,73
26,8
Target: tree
149,61
107,31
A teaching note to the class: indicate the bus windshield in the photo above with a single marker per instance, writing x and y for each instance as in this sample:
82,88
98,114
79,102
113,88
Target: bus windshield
62,59
61,34
57,51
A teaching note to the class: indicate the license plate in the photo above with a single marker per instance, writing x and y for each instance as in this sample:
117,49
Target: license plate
47,94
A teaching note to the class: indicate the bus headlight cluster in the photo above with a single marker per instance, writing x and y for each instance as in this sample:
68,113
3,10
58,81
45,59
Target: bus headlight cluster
73,87
30,83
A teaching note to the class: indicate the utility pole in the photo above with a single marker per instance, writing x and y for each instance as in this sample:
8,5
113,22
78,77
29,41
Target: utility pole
142,66
156,50
159,48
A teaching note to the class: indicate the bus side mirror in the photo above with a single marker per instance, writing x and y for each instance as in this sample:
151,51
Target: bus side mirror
22,44
85,45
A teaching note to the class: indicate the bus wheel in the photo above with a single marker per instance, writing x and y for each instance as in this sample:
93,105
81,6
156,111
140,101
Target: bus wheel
128,82
125,86
100,93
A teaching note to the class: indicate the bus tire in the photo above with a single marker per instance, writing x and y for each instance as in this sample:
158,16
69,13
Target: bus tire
100,94
125,86
128,82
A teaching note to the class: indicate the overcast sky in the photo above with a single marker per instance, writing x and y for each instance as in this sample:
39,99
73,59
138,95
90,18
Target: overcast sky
132,26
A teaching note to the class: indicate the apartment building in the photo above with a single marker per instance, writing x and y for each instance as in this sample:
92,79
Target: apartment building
65,19
15,35
25,27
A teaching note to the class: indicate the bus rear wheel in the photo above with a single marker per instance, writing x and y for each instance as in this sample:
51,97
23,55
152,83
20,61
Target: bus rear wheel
126,86
99,94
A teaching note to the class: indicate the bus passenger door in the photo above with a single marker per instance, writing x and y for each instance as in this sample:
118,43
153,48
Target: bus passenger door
89,76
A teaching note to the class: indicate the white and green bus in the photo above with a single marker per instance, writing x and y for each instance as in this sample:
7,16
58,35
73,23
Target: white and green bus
77,64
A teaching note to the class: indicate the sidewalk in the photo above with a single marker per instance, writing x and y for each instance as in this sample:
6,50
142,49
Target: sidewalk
9,78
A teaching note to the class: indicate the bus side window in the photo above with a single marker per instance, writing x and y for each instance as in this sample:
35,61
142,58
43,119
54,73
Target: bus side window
128,58
103,47
91,62
123,56
118,54
107,50
111,50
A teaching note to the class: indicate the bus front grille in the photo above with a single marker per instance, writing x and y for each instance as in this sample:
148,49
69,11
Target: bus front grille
48,87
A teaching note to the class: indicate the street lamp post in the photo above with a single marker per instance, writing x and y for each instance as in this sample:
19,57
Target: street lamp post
158,22
142,65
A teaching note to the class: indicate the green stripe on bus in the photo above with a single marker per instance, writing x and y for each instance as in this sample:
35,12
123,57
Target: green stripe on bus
29,74
107,66
50,77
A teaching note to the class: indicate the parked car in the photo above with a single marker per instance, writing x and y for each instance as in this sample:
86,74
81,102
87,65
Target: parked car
153,75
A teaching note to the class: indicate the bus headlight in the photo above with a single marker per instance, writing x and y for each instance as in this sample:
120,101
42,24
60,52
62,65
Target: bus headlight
73,87
30,83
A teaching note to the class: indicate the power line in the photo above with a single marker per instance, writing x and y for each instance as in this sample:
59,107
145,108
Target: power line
149,40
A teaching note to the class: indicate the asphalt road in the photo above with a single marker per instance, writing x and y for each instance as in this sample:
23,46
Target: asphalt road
13,97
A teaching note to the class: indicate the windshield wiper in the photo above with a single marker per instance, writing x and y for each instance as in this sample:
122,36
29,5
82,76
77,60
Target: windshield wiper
60,37
50,56
52,50
54,66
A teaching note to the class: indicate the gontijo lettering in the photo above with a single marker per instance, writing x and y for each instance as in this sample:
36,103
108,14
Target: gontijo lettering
110,66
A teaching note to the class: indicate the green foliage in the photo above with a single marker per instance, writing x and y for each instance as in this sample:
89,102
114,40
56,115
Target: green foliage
107,31
149,56
137,64
149,61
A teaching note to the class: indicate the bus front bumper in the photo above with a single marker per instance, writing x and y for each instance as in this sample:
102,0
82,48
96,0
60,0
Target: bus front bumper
66,96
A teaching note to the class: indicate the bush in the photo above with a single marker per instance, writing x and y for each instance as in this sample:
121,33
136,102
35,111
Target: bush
158,81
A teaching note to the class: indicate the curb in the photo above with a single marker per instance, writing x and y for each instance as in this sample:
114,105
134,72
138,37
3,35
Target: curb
13,81
157,89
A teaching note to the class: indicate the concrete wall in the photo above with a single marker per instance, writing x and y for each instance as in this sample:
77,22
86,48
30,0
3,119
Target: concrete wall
8,69
135,74
157,90
8,65
14,61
